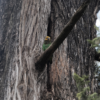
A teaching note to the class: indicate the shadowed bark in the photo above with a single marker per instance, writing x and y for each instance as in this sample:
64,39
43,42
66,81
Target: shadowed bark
97,56
40,63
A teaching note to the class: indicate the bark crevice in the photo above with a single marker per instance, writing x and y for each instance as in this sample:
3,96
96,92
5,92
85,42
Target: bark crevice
97,56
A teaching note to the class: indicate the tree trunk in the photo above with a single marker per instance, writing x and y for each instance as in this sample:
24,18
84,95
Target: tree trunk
23,27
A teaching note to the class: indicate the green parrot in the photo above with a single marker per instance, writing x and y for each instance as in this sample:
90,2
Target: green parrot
46,44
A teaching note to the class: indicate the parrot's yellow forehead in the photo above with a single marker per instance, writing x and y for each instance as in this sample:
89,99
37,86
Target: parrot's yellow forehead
47,38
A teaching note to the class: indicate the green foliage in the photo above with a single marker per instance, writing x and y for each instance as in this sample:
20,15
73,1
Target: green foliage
96,41
93,96
97,98
83,89
97,28
80,81
82,95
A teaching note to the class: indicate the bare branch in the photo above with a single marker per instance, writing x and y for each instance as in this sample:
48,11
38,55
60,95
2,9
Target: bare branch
40,64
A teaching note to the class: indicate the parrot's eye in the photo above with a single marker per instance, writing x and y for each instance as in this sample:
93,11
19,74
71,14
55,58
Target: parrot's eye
47,38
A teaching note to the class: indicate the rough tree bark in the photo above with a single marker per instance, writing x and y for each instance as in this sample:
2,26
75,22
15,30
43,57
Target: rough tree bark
23,27
97,56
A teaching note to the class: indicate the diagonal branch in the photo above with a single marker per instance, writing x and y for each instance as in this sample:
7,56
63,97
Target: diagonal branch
40,63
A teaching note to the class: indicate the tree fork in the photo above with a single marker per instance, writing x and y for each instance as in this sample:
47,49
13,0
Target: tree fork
41,61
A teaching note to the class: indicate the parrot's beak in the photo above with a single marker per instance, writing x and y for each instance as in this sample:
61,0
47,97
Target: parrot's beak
49,38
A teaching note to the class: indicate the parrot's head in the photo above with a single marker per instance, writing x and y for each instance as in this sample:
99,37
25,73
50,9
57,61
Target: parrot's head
47,39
